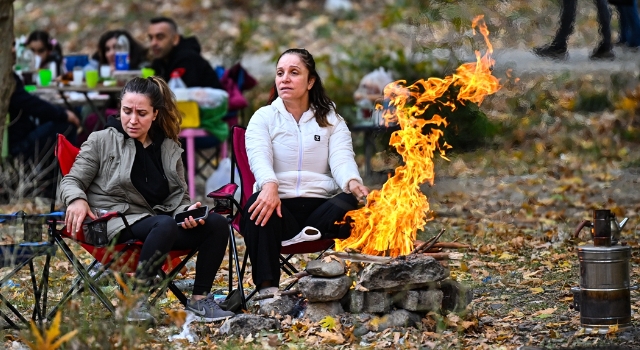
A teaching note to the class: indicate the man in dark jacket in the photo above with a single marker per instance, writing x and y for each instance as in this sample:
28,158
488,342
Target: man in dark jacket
34,123
171,51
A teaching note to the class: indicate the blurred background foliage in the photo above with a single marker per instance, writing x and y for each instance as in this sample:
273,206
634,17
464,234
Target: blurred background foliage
413,39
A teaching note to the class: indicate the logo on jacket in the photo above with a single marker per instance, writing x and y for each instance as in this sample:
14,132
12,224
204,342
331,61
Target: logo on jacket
316,137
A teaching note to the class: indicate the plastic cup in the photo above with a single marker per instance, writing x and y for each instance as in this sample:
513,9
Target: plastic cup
45,77
27,78
105,71
148,72
91,77
78,74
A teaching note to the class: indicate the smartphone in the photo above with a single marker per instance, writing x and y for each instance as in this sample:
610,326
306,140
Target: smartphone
198,213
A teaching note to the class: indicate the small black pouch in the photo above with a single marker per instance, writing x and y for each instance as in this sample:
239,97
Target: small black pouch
95,232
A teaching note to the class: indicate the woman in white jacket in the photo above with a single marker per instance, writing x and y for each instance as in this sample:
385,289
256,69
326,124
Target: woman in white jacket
301,154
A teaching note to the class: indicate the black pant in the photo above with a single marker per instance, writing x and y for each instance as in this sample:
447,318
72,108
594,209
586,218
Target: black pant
568,18
264,242
161,234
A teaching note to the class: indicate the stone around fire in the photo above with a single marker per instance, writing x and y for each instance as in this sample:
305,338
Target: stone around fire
321,268
245,324
403,274
319,289
317,311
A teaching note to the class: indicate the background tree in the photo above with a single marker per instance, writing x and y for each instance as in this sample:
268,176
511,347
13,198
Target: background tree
6,61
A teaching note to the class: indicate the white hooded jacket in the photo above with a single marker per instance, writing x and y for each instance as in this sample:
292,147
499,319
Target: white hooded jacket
304,159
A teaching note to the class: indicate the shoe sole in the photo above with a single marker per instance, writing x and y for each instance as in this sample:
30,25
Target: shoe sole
211,319
201,318
303,236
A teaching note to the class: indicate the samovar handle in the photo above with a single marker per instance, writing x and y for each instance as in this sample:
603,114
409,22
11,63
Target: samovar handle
585,223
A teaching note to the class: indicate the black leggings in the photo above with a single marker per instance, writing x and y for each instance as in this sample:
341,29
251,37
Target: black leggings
264,242
161,234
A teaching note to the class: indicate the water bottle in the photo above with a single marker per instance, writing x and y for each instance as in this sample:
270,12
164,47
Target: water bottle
122,53
26,65
177,85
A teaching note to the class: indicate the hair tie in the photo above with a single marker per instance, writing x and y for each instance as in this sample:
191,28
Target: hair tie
54,42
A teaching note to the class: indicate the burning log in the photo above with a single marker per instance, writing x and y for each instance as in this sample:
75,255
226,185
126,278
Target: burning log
372,259
428,244
440,245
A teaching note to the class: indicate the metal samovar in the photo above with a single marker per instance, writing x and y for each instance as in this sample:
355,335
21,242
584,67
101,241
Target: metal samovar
604,295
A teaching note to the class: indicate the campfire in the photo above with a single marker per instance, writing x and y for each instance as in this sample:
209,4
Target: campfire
388,224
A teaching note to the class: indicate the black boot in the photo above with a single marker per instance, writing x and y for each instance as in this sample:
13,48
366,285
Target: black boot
602,52
552,51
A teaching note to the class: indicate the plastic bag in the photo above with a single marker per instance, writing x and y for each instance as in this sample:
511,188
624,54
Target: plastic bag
222,176
208,97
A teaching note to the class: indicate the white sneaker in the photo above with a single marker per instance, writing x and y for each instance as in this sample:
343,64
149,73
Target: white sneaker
306,235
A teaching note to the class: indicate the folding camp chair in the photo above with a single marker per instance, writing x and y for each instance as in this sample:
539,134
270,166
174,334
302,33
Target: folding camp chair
122,257
225,203
18,255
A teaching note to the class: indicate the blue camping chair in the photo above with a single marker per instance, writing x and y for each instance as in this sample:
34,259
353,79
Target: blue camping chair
17,256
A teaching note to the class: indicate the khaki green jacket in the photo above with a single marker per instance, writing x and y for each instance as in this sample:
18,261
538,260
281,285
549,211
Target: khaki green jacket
101,175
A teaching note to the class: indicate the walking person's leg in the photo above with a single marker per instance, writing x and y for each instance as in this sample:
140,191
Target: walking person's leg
624,26
604,48
558,47
632,20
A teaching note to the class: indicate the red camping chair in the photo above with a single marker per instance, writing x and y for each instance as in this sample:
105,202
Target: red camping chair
122,257
225,203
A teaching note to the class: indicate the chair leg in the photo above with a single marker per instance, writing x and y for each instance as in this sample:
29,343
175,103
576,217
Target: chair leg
286,266
95,289
234,249
168,282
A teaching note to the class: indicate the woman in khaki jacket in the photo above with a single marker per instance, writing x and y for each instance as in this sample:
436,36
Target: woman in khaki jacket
134,167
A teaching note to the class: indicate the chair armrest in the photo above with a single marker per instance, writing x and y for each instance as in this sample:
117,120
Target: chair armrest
225,192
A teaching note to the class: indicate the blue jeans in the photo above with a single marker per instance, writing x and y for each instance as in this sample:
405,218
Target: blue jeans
629,24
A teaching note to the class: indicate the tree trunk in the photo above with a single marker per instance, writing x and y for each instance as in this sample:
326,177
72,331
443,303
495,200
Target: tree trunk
6,61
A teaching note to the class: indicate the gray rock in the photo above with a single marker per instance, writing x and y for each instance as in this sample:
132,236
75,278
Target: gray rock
376,302
321,268
282,306
455,296
399,273
245,324
397,318
353,301
419,300
317,311
320,289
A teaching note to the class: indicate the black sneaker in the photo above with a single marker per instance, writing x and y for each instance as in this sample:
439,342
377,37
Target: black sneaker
141,313
207,310
551,51
602,53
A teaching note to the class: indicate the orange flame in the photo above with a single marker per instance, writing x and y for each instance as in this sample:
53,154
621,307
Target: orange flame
388,224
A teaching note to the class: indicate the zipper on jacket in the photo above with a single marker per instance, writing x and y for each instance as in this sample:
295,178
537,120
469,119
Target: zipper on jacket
300,152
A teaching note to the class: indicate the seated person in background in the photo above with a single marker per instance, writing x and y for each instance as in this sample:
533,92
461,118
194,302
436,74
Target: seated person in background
300,152
34,122
169,51
106,54
369,93
134,166
47,49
